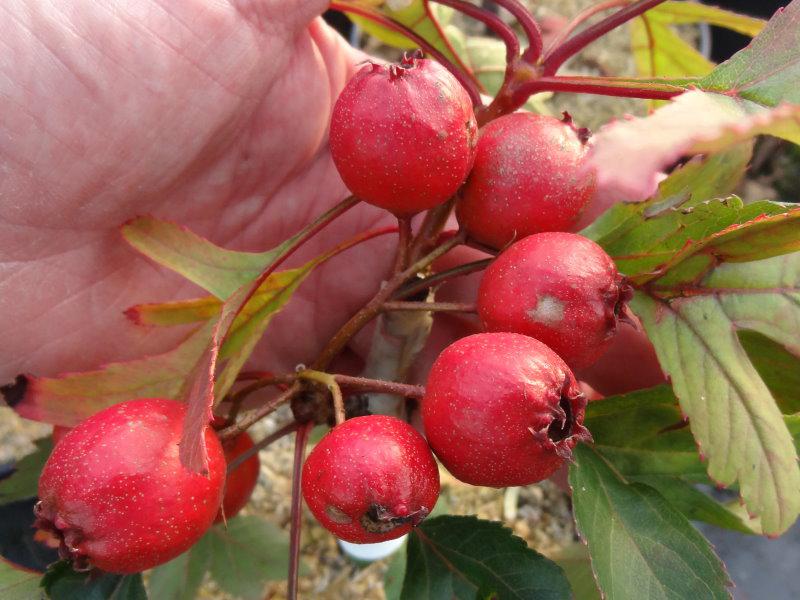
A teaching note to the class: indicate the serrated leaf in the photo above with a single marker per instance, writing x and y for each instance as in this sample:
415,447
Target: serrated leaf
247,555
62,583
23,482
641,546
180,578
733,416
779,368
767,70
18,584
466,558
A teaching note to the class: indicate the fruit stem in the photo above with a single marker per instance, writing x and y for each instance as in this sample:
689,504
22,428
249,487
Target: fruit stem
300,441
579,19
329,381
403,244
529,25
432,225
492,21
430,306
603,86
466,80
259,413
373,307
272,437
441,277
277,380
364,384
571,47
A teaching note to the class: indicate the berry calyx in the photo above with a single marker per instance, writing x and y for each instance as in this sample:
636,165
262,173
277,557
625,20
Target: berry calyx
241,481
562,289
116,495
502,409
529,176
403,136
371,479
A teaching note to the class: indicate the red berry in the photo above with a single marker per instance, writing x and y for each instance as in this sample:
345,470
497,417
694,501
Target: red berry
116,495
239,483
403,136
502,409
371,479
528,177
560,288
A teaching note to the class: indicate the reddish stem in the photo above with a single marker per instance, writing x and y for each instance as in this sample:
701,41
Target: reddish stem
466,81
430,306
403,244
272,437
571,47
492,21
300,441
597,85
529,25
363,384
580,19
441,277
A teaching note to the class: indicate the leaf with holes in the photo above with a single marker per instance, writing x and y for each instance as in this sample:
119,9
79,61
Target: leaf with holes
640,545
732,414
465,558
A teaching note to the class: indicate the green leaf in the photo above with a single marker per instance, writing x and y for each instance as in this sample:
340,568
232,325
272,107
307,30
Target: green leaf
247,555
659,51
643,433
394,576
215,269
779,368
766,71
467,558
180,578
575,561
641,546
732,414
62,583
693,503
23,483
17,584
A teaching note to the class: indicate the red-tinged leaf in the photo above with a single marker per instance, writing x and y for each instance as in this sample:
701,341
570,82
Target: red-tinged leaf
199,394
180,312
629,155
71,397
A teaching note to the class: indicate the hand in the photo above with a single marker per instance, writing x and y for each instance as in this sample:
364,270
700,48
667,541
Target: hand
213,115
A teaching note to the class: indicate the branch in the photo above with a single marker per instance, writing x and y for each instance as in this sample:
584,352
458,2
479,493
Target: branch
442,276
571,47
329,381
363,384
430,306
603,86
581,18
529,25
259,413
272,437
492,21
300,441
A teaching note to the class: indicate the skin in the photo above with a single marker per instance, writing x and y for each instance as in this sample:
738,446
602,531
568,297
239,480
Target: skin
213,115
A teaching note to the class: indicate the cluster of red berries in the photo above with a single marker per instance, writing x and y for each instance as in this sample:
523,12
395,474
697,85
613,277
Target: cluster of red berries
501,408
